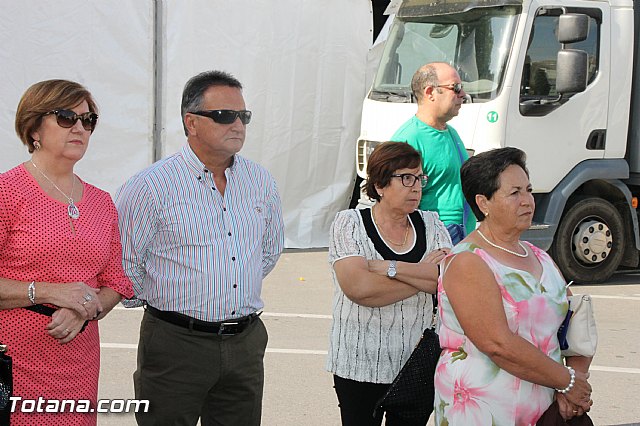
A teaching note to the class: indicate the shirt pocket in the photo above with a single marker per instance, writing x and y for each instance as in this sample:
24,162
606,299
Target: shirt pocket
185,223
250,222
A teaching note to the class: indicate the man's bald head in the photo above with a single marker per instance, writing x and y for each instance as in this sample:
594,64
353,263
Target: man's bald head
427,75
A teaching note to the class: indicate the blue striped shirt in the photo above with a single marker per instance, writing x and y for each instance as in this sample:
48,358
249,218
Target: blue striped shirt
191,250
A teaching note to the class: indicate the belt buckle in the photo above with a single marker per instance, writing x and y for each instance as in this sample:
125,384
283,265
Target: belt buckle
224,325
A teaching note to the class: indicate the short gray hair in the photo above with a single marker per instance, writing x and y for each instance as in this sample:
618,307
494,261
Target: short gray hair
425,76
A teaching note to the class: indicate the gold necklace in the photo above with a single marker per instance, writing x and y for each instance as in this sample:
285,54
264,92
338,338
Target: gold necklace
406,230
526,252
72,209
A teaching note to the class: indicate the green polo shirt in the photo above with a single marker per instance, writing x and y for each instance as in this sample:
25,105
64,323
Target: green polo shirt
441,151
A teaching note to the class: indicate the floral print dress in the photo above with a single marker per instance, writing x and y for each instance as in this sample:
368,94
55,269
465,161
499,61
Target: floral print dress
470,388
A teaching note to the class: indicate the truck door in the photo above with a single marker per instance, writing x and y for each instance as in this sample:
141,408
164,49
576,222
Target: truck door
557,134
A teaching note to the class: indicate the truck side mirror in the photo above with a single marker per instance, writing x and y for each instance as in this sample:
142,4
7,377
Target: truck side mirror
572,27
571,71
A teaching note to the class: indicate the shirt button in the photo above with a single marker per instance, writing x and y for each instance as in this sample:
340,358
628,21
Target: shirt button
233,312
224,209
233,258
229,234
213,187
199,177
206,171
235,286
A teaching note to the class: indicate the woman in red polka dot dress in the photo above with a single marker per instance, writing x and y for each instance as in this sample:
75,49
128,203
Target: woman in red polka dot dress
60,249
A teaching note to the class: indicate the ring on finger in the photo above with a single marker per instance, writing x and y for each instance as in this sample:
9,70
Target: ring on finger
88,297
67,331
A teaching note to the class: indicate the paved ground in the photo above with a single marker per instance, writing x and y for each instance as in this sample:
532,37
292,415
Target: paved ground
297,314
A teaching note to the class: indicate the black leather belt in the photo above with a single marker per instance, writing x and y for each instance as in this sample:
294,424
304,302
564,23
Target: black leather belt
223,328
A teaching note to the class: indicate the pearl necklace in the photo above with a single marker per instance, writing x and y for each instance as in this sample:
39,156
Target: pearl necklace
72,209
526,252
406,230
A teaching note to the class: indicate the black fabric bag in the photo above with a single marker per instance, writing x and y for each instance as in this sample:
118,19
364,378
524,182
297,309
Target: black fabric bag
6,385
410,396
552,417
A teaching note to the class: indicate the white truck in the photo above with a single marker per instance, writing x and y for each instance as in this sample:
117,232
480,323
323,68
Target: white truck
559,80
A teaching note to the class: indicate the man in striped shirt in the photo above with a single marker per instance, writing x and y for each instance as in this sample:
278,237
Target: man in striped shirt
200,230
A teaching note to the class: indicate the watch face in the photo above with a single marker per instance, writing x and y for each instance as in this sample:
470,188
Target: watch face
391,272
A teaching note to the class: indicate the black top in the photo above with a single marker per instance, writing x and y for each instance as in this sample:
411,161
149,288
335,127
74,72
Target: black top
419,246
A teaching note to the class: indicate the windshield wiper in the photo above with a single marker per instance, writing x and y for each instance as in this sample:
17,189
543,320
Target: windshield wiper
396,96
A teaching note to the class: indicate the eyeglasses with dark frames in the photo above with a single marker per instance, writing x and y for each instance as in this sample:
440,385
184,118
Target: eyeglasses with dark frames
409,180
456,87
67,119
225,116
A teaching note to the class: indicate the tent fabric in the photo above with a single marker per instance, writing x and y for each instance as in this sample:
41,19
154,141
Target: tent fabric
302,64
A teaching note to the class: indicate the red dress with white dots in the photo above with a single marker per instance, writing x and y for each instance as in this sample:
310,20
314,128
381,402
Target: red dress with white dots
38,241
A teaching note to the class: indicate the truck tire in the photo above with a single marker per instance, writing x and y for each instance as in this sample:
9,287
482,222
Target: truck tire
589,242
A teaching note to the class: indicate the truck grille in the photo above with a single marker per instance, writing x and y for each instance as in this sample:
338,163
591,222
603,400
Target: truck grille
364,150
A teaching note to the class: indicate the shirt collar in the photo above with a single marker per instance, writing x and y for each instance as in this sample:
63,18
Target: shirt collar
197,167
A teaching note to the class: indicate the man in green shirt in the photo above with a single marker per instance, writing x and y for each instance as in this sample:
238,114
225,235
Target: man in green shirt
438,89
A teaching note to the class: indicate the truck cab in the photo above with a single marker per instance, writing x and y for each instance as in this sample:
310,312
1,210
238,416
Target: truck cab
553,78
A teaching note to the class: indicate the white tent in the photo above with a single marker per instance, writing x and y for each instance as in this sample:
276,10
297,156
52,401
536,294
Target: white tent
302,64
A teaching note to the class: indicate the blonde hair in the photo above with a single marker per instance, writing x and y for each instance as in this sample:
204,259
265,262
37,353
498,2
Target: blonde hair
44,97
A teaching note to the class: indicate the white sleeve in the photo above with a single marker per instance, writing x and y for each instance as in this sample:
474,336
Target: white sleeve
345,236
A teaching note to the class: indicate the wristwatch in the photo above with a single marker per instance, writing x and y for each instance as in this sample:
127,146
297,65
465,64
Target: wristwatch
391,272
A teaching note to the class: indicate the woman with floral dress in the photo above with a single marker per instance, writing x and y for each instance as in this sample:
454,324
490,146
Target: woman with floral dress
501,304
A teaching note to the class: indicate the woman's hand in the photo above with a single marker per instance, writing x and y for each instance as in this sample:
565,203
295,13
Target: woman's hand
380,267
436,256
567,409
65,325
77,296
580,394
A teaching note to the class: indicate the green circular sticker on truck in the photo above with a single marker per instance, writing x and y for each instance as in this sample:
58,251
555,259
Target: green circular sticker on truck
492,116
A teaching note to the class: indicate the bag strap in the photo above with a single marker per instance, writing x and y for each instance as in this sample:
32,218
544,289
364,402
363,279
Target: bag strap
41,309
434,316
49,311
466,209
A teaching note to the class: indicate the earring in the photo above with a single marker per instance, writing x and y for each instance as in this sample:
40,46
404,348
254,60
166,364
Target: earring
36,145
486,214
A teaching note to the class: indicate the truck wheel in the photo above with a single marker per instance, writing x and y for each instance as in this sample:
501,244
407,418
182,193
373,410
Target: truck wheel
589,242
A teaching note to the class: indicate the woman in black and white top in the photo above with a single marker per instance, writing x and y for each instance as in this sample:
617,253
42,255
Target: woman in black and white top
384,267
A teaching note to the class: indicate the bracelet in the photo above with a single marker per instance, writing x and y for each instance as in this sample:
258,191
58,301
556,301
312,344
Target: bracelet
31,292
572,373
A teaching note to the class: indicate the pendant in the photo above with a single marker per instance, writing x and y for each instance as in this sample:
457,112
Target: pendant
72,211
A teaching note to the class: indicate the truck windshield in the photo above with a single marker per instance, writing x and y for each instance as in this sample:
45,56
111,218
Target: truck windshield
476,42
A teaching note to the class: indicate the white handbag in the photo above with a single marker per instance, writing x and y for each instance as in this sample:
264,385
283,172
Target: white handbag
582,335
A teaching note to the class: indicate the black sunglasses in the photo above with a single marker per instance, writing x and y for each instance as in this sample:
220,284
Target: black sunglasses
225,116
456,87
67,119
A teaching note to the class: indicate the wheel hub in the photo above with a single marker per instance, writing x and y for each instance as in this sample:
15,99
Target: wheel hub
592,242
